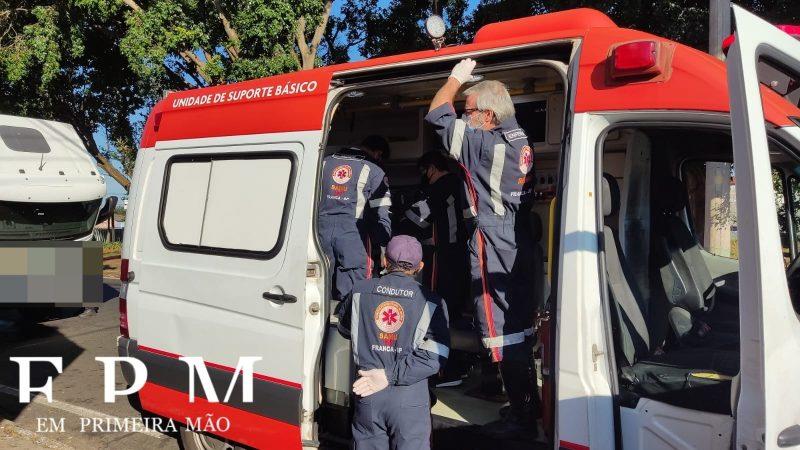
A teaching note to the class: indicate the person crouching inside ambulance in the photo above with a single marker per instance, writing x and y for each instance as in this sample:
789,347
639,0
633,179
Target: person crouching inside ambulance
354,212
400,337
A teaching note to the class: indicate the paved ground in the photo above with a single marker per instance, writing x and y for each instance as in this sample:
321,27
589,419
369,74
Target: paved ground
77,390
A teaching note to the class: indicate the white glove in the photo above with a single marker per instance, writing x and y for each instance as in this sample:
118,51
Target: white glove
463,70
371,381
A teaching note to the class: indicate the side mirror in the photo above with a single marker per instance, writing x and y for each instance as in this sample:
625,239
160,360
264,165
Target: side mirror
107,210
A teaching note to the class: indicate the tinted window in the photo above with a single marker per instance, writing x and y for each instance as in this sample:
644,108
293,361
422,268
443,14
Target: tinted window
24,139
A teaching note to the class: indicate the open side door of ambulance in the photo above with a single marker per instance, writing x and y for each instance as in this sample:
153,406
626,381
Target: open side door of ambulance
768,410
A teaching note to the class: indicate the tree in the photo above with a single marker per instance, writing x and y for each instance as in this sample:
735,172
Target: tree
61,62
98,64
175,44
395,28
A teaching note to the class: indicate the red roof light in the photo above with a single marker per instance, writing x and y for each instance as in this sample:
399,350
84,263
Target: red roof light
791,30
634,56
641,59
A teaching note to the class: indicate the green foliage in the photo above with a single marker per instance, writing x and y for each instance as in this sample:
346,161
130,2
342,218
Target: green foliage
164,32
61,61
112,247
398,26
97,64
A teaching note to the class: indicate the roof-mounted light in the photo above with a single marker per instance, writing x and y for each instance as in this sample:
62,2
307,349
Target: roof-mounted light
635,59
791,30
435,27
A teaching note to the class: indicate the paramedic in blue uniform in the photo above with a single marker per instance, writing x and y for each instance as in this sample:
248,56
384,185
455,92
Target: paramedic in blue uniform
437,214
399,335
498,161
353,212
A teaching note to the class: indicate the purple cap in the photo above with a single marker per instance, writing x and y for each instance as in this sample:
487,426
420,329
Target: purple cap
404,249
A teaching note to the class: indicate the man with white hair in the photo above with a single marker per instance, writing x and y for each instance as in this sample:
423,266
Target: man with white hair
494,152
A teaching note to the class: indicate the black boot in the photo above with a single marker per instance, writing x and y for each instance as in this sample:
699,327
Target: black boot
519,422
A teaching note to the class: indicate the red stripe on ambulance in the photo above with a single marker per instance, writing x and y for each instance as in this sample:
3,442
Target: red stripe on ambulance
245,427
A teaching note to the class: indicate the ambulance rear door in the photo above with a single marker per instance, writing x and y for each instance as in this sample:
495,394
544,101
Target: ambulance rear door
768,411
220,261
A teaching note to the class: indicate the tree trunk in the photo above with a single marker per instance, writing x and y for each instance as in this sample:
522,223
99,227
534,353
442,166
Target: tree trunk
308,52
233,36
91,145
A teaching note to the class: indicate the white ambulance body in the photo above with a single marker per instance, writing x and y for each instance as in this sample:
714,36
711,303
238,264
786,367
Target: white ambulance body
221,260
50,188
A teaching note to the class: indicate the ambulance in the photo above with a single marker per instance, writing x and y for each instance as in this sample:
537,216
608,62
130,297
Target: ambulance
668,193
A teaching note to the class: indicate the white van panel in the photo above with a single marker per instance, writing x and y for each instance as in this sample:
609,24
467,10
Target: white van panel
231,220
211,305
62,171
186,195
657,426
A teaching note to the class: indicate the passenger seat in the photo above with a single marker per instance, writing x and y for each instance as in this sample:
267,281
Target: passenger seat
685,277
696,378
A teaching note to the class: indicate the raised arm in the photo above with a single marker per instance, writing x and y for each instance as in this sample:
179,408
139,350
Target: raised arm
447,93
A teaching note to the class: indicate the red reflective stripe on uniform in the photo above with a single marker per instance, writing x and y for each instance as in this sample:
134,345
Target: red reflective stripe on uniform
572,446
368,248
471,187
487,299
243,427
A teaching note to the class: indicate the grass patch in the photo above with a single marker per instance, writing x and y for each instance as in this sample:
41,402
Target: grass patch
109,247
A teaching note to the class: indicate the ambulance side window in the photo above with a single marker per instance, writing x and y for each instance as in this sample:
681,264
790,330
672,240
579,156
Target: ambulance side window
233,205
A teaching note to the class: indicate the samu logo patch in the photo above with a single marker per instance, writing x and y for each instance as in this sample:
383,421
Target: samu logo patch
526,159
389,316
342,174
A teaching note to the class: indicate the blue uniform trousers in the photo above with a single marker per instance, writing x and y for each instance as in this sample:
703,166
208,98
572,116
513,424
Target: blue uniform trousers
397,415
345,247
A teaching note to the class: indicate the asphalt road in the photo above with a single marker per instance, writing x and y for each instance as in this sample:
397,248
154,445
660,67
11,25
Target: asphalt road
77,391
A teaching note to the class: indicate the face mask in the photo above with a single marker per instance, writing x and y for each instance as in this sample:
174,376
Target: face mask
470,126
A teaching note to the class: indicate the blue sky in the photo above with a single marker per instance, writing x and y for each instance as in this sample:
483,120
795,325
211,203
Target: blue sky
115,189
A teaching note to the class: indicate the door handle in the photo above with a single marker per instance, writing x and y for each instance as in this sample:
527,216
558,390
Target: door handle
279,298
789,437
